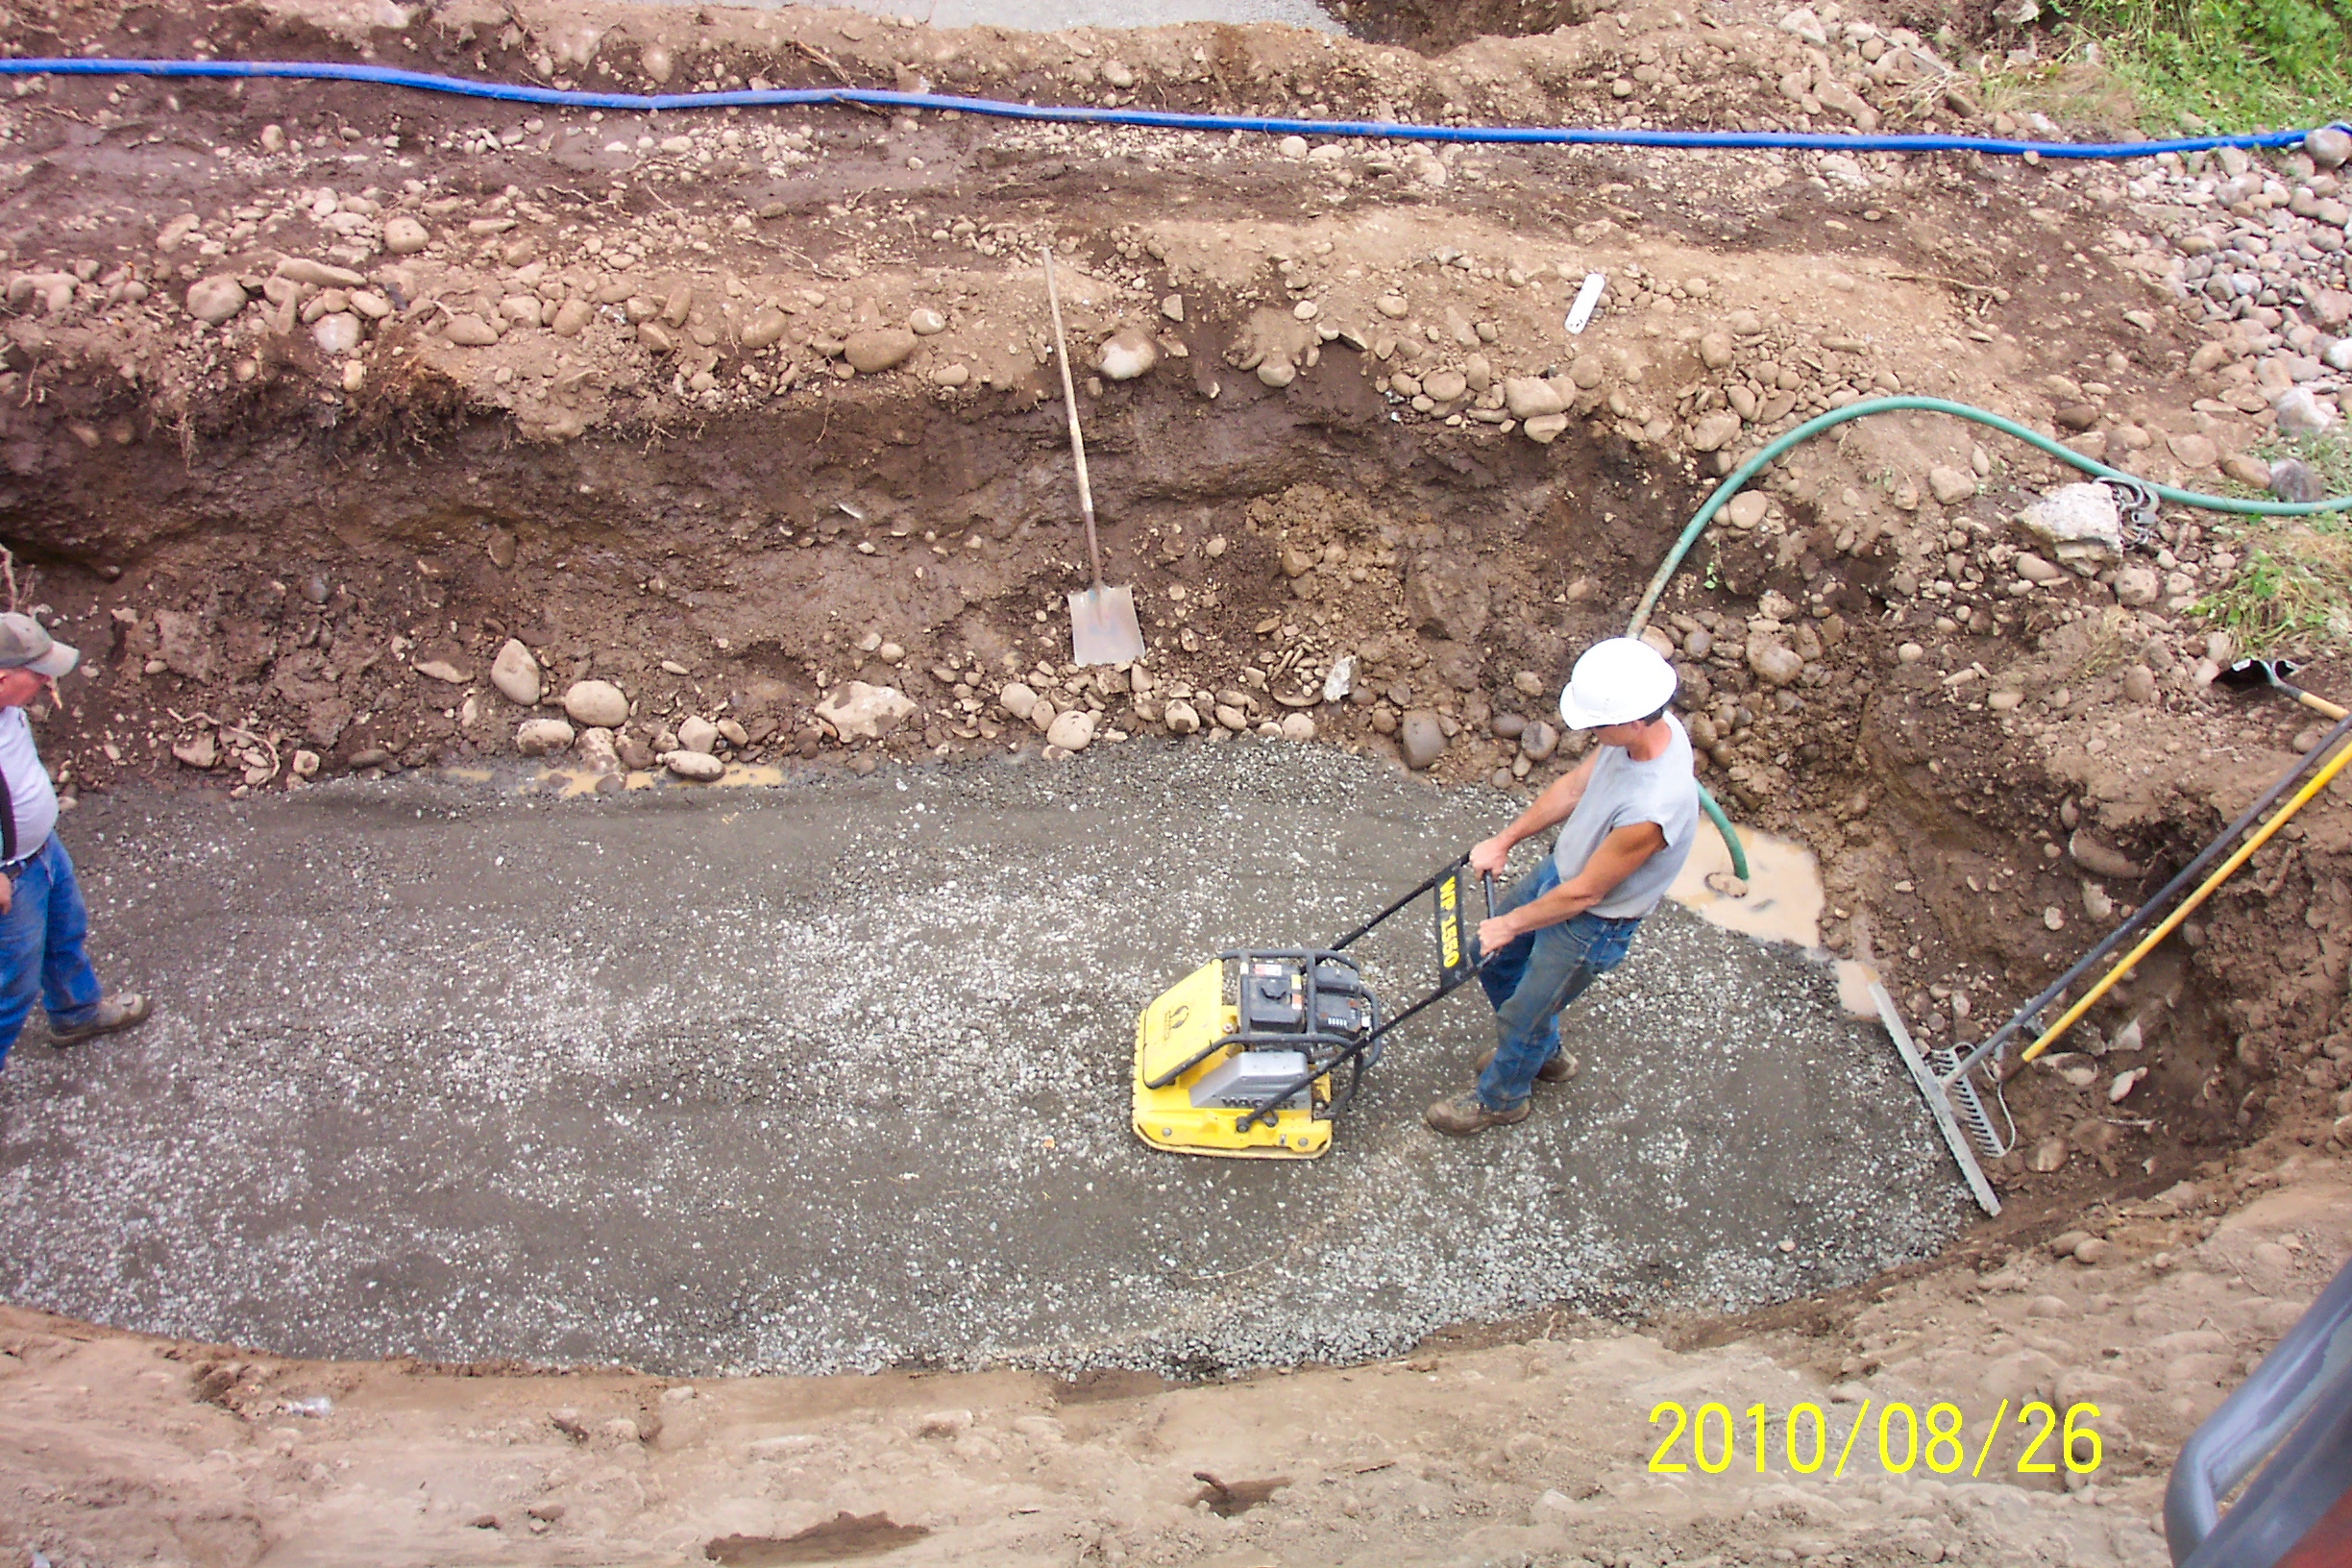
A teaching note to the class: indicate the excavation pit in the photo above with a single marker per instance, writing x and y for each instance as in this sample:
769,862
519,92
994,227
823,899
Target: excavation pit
832,1075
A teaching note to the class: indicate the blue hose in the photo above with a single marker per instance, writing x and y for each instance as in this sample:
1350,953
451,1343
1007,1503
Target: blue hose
1150,118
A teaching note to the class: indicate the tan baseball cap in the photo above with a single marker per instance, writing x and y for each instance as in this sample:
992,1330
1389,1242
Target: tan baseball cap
25,643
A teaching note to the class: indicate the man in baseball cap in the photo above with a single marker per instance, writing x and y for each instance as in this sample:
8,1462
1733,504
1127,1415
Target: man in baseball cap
1630,810
43,921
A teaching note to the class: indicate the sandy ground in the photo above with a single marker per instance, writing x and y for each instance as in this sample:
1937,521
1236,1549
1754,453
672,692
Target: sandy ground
128,1450
832,1075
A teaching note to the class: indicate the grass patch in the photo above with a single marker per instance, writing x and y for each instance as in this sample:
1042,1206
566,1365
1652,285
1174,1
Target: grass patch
2293,590
2223,65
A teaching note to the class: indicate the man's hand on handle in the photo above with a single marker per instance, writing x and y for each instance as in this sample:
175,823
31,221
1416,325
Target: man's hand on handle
1488,855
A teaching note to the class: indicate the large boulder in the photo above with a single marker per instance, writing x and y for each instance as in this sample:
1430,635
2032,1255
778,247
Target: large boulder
1422,739
873,351
216,299
1071,731
599,705
515,674
1126,354
1446,597
2079,522
859,712
1531,397
543,737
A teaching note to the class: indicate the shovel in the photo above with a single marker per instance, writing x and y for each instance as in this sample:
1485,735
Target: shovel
1103,627
2273,673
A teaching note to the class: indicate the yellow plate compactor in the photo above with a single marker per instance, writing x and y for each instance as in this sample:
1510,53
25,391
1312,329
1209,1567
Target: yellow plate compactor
1238,1058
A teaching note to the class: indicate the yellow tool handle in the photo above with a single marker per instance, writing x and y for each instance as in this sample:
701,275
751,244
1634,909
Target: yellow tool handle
2319,704
2245,852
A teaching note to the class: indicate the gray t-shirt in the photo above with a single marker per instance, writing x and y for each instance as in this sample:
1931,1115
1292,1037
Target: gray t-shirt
28,784
1622,792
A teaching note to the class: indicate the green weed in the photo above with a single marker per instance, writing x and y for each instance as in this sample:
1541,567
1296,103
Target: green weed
2293,590
2222,64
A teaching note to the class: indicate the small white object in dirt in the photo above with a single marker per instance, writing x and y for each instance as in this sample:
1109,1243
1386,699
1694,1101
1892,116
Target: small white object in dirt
1297,727
1181,717
543,737
2095,903
515,674
597,702
926,321
859,712
441,670
315,1405
2124,1083
2079,522
1291,146
1126,354
699,766
1071,732
1017,700
1342,680
1588,300
2300,412
199,750
1748,508
2126,1038
697,733
2338,355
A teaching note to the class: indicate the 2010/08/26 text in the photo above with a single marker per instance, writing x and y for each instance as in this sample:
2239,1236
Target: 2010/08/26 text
1905,1439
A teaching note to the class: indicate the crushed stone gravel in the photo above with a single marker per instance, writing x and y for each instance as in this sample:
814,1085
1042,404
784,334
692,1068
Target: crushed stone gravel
832,1075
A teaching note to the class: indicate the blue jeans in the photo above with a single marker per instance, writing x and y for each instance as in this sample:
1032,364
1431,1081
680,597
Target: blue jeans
1532,979
40,947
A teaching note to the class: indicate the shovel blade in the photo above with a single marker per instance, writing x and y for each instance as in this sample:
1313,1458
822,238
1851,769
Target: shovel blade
1103,627
2257,673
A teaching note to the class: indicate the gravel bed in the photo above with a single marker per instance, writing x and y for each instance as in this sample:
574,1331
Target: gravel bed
833,1075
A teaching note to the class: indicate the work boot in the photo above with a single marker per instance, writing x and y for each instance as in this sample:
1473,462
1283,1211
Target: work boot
124,1011
1464,1114
1557,1070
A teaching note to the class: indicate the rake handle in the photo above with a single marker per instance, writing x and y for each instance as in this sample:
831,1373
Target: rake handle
1069,402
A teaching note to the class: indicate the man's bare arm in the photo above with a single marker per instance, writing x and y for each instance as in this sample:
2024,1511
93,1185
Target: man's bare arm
1549,809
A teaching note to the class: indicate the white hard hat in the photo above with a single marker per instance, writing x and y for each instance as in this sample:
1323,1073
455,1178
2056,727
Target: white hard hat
1616,683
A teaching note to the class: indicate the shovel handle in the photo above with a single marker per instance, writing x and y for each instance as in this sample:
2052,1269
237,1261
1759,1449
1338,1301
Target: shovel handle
1069,401
2318,704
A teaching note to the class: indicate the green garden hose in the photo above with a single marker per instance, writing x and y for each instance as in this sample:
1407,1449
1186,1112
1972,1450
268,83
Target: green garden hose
1812,428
